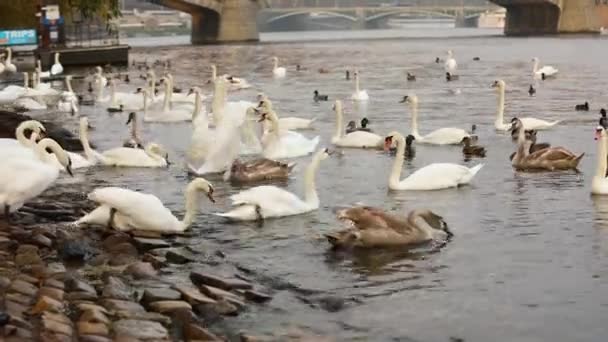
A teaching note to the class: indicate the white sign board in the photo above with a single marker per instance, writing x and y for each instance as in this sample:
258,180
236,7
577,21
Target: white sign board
52,12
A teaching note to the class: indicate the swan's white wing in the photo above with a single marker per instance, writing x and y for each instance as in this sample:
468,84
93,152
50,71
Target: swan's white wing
290,145
143,210
360,96
450,65
533,123
222,151
24,179
437,176
279,72
294,123
273,201
360,139
29,103
56,69
547,70
125,156
445,136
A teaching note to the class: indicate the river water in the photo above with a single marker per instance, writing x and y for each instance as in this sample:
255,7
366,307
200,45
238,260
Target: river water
529,261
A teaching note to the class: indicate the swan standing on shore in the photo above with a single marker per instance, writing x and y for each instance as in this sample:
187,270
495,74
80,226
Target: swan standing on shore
270,201
22,179
542,72
277,71
441,136
127,210
528,123
431,177
358,139
359,95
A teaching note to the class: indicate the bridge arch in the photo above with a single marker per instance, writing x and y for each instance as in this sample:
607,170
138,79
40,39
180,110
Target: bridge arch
311,11
408,11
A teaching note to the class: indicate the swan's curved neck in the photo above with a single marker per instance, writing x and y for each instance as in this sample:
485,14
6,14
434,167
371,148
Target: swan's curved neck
152,84
134,129
167,98
41,150
9,56
357,89
26,80
68,85
535,67
38,66
416,219
311,197
197,106
339,121
191,207
56,58
84,140
99,88
145,103
170,90
274,122
414,129
276,63
522,151
500,110
602,155
20,134
213,73
217,106
393,179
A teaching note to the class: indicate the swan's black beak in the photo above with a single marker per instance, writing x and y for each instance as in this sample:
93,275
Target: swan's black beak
262,117
138,90
404,99
190,92
167,160
329,152
210,194
131,118
494,85
68,168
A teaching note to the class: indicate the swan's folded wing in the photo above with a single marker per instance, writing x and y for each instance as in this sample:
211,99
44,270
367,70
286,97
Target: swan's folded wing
361,139
28,177
129,203
268,198
438,176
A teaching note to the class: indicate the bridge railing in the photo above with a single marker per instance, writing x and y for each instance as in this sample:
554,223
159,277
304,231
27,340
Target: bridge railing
91,34
366,3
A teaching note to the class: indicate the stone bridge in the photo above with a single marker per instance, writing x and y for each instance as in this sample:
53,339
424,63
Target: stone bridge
530,17
217,21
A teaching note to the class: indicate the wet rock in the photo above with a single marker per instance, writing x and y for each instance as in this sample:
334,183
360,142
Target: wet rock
46,303
193,332
93,338
56,326
76,285
146,234
146,244
51,292
55,337
42,241
27,278
202,278
75,250
332,303
193,296
87,328
81,295
213,311
256,296
6,243
141,270
55,269
168,306
15,309
57,317
122,305
91,307
54,283
123,254
116,239
94,316
24,288
139,329
146,316
156,261
117,289
219,294
19,298
159,294
21,323
27,255
179,256
5,282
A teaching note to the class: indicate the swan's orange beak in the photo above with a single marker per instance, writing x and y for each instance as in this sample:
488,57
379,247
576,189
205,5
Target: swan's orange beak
598,134
388,141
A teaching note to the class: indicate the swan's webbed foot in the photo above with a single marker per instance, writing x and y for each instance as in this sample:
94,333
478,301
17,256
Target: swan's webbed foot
112,213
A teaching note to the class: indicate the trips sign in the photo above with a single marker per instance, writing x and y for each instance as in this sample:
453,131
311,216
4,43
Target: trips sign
18,37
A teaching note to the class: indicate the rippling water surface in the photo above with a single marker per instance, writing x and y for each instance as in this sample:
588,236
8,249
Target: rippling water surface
529,261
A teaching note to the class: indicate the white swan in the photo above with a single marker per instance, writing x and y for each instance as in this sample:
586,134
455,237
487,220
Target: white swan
431,177
67,104
180,99
547,70
441,136
359,95
43,74
2,67
8,63
56,68
22,179
22,146
529,123
100,79
134,141
360,139
290,123
127,210
599,185
166,114
450,63
26,98
78,161
277,71
278,143
221,153
270,201
153,155
202,137
234,83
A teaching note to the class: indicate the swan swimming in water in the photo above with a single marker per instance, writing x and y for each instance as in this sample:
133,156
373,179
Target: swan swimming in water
441,136
528,123
277,71
9,67
431,177
127,210
278,143
599,185
270,201
57,68
542,72
358,139
359,95
450,64
234,83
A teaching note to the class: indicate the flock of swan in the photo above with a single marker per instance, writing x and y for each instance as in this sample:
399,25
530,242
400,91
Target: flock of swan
229,131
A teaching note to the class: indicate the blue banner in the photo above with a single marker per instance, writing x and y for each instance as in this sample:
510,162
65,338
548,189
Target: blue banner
18,37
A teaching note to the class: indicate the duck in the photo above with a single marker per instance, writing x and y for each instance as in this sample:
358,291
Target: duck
9,67
24,179
258,170
603,120
451,77
450,64
347,76
470,150
359,95
354,139
531,135
278,143
542,72
431,177
529,123
127,210
411,77
290,123
56,68
234,83
599,184
364,123
120,109
127,80
134,141
268,201
318,97
410,149
277,71
371,227
582,107
548,159
441,136
531,90
477,59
